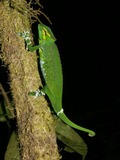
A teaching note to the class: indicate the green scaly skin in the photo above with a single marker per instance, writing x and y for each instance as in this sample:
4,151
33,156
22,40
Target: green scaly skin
52,72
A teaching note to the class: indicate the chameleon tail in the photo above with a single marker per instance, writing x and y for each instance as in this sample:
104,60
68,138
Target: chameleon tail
67,121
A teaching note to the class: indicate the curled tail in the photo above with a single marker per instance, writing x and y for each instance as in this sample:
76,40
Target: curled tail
70,123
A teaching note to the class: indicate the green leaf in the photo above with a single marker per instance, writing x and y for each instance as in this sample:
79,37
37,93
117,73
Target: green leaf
9,114
2,116
67,149
12,152
1,111
5,111
72,140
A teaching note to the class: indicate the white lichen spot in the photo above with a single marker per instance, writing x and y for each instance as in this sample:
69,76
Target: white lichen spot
42,62
42,67
61,111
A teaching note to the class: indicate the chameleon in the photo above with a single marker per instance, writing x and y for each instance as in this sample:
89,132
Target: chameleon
51,67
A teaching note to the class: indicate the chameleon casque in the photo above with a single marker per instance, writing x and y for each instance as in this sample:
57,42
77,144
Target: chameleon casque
51,68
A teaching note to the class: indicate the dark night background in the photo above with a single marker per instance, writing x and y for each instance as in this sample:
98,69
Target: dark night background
87,38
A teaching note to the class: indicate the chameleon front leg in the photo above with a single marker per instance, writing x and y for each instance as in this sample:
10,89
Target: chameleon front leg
29,47
41,92
26,36
36,93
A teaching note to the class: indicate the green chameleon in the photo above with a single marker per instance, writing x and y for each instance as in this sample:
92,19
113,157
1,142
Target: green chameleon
52,72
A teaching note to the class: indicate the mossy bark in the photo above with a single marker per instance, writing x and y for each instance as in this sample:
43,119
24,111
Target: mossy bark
35,123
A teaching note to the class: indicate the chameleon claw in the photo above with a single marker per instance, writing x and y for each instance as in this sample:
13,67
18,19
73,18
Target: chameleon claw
26,36
39,93
36,93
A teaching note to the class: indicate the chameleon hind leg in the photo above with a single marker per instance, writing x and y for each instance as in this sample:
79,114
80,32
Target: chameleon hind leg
40,92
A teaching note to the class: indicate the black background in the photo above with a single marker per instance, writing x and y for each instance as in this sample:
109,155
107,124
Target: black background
87,36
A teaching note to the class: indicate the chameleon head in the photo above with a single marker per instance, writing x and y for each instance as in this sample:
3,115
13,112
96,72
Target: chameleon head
45,32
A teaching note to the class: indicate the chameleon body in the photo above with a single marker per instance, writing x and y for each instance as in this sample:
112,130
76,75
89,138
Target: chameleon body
51,68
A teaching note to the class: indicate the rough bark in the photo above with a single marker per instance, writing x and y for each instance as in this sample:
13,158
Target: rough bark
35,123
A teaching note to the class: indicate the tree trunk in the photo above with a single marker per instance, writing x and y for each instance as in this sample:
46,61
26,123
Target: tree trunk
35,123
